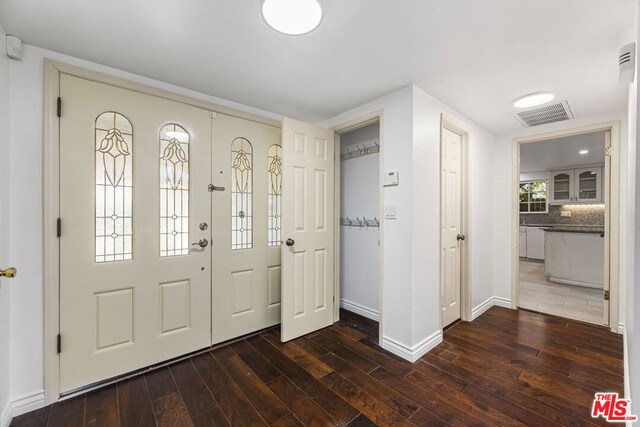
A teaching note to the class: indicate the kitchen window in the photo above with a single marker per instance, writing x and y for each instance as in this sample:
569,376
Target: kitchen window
533,197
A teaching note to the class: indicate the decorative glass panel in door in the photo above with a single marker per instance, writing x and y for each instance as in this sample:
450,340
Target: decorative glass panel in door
274,194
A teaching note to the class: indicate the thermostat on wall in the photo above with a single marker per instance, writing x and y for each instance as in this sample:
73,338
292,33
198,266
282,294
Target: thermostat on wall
390,178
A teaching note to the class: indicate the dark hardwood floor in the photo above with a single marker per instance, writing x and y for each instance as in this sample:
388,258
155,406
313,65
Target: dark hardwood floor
505,368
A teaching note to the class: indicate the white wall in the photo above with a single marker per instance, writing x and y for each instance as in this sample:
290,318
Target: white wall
411,263
5,255
534,176
26,212
501,187
359,197
632,317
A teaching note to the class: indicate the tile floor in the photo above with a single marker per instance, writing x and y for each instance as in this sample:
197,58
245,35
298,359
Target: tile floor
574,302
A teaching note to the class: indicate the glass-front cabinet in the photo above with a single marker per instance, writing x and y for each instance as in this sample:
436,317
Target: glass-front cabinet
582,185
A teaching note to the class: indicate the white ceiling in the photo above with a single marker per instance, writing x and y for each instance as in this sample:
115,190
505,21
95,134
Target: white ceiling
562,153
476,56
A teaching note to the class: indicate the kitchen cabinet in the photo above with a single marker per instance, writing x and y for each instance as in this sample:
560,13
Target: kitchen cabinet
583,185
523,242
575,258
535,243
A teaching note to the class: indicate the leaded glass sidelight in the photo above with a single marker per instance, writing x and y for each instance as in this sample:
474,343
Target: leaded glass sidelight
174,190
274,195
114,187
241,194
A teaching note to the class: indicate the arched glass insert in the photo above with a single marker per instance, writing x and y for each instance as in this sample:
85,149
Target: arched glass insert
174,190
113,187
274,195
241,194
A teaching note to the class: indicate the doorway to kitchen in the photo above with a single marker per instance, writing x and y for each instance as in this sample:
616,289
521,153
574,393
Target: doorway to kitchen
566,194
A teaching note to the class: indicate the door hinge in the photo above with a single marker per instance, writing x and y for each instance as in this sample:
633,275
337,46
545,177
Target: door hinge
59,107
59,227
606,295
59,343
607,151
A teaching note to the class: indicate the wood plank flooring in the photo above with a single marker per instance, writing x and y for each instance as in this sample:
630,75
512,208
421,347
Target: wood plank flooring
505,368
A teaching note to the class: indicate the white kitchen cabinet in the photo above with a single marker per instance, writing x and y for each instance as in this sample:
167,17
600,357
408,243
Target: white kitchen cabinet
523,242
535,243
588,185
561,186
582,185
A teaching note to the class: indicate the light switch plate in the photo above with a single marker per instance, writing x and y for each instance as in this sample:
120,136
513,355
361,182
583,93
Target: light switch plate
390,212
565,213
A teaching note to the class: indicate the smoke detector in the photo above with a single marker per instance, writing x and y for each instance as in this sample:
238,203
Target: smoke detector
627,63
550,113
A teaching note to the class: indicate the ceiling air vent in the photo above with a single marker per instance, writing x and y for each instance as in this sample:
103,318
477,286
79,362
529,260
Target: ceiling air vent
542,115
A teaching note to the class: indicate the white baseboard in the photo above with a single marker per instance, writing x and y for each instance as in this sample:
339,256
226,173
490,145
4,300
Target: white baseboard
412,353
486,305
28,402
360,309
5,416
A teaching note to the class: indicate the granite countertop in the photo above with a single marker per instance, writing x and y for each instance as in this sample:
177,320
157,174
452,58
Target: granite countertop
595,229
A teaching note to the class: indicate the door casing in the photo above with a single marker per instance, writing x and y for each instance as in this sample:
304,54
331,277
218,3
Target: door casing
450,124
612,210
52,71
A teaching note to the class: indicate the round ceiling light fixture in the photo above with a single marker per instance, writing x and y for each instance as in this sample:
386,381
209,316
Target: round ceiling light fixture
533,100
292,17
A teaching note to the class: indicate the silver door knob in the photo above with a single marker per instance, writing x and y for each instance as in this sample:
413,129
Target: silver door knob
290,242
203,243
460,237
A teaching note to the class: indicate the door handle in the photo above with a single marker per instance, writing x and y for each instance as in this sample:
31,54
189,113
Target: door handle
8,272
203,243
290,242
460,237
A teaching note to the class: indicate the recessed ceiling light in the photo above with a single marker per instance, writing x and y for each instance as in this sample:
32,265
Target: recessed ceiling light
584,151
533,100
292,17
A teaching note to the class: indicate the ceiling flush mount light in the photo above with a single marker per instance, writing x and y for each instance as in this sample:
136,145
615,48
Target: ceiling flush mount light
533,100
292,17
584,151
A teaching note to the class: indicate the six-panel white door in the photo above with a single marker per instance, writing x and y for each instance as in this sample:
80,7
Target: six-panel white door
450,222
308,228
134,171
247,214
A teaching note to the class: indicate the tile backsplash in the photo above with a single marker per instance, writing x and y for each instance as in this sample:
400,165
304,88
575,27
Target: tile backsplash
581,215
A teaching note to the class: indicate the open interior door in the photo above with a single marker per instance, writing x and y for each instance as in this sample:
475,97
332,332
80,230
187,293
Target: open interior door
308,228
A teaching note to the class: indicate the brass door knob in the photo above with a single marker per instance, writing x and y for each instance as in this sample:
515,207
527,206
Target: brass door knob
8,272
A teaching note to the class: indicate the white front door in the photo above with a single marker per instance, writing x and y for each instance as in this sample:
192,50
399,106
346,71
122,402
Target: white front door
247,214
308,228
134,171
450,220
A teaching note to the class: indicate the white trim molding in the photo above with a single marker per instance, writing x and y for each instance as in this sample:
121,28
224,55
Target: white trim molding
360,309
5,416
412,353
27,402
486,305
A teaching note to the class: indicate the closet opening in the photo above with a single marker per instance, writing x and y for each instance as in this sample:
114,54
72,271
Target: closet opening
359,234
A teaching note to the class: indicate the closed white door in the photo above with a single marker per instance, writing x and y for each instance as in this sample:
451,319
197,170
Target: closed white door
308,228
452,237
247,215
134,171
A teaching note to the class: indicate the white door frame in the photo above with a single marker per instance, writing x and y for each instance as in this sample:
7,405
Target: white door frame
611,228
52,71
373,117
449,123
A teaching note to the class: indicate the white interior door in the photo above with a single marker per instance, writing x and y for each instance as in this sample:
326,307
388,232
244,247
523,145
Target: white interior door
451,238
308,228
134,171
247,214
